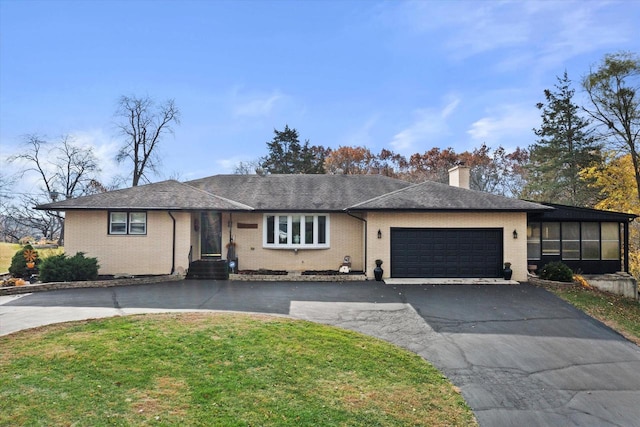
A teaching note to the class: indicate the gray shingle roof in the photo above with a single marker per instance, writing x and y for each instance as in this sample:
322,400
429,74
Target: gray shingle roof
296,193
299,192
165,195
431,195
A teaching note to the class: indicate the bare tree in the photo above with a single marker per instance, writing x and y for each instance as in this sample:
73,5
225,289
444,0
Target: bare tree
10,231
143,123
247,168
61,165
64,169
24,220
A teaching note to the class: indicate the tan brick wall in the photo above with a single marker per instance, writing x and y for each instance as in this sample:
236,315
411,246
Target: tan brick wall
515,250
149,254
346,238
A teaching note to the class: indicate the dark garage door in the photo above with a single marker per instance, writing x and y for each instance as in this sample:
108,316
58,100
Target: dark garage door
446,252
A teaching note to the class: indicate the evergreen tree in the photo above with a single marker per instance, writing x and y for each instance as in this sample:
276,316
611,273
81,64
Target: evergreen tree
287,155
564,147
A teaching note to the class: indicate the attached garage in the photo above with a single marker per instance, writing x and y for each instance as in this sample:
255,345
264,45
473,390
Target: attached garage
446,252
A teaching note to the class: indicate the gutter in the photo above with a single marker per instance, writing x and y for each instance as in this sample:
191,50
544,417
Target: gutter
173,244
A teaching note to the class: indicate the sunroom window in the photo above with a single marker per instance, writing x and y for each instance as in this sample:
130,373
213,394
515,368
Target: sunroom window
128,223
571,240
302,231
574,241
610,232
533,240
550,238
590,240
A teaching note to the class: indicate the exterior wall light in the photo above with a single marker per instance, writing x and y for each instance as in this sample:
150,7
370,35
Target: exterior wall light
515,234
379,234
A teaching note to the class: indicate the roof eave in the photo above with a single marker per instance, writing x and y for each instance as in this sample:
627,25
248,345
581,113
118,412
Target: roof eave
139,208
364,209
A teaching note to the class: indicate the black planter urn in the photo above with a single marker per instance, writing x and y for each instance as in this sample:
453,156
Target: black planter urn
377,272
507,272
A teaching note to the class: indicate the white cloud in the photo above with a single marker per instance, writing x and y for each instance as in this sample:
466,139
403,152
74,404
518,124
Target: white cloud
522,34
105,149
506,125
429,125
256,105
581,29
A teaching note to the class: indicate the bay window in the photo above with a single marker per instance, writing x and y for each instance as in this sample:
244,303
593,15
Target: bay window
292,231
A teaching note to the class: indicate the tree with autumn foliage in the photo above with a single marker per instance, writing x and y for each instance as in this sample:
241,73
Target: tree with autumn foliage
615,179
349,161
360,161
391,164
495,171
614,92
432,165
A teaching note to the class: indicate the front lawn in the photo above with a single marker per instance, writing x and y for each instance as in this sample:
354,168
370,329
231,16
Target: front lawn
217,369
7,251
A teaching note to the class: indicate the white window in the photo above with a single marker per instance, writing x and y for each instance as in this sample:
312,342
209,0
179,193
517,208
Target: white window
128,223
292,231
118,223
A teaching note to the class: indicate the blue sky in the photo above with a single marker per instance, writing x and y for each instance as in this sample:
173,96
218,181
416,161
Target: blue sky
401,75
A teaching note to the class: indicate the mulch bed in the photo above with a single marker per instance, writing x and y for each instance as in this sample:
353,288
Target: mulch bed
264,272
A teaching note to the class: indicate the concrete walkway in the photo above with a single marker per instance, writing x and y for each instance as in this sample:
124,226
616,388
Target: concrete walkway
521,356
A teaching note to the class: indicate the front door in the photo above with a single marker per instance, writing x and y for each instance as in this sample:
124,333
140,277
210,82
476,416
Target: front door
211,235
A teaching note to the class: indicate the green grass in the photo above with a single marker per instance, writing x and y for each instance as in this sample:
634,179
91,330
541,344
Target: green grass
8,250
619,313
217,370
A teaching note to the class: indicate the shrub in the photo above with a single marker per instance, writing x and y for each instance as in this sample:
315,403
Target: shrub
18,267
556,271
60,268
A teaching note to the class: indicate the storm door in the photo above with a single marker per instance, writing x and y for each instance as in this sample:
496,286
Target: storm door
211,235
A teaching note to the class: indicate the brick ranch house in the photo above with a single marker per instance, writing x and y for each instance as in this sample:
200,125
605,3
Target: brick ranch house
311,222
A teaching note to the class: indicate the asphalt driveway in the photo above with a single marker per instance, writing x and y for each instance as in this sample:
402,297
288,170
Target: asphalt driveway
521,356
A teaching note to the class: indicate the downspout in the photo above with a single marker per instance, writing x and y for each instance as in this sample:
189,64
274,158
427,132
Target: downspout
365,238
173,244
626,245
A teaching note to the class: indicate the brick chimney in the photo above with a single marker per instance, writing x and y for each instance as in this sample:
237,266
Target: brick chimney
459,176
